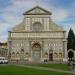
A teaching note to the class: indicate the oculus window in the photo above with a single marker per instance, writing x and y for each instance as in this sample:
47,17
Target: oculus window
37,26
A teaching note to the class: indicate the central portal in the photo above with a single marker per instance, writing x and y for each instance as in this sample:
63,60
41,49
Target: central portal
36,49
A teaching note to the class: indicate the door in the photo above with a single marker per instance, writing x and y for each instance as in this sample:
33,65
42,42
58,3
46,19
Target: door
36,56
70,55
36,50
50,56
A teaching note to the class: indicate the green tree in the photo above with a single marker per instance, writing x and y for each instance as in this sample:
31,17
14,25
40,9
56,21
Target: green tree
70,40
74,43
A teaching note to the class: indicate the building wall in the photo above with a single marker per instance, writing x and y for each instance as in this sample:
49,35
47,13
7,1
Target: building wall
51,37
3,49
56,45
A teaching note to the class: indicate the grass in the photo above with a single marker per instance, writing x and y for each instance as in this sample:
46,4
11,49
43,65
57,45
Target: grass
55,66
17,70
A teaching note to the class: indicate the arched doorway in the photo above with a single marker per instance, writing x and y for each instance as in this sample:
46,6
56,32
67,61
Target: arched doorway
36,52
70,54
50,55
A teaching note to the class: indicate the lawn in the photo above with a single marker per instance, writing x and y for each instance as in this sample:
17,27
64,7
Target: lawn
55,66
18,70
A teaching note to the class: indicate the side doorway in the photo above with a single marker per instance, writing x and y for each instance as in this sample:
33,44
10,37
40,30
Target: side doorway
50,55
70,54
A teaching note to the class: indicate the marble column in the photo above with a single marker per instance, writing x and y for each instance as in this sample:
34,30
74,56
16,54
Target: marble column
65,49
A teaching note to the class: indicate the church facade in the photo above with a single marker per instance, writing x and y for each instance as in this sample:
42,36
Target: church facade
37,38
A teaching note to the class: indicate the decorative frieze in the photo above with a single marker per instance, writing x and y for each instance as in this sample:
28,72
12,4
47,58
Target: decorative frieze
38,35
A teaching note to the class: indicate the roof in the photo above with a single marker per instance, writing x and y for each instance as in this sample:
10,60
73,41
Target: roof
37,7
3,44
21,27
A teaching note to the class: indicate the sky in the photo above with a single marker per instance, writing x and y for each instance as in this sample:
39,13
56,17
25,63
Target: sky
11,13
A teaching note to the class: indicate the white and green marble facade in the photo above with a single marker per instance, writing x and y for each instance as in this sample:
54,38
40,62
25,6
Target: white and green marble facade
37,28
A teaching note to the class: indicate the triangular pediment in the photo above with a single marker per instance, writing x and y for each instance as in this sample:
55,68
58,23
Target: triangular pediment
37,10
26,24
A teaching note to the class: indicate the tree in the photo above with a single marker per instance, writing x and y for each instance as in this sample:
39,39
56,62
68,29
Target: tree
74,43
70,40
70,44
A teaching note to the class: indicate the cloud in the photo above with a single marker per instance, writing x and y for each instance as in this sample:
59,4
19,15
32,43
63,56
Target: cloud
3,27
20,6
12,14
3,33
11,18
3,38
68,26
60,14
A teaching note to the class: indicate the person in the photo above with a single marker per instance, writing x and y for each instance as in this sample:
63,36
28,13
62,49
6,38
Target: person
73,65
